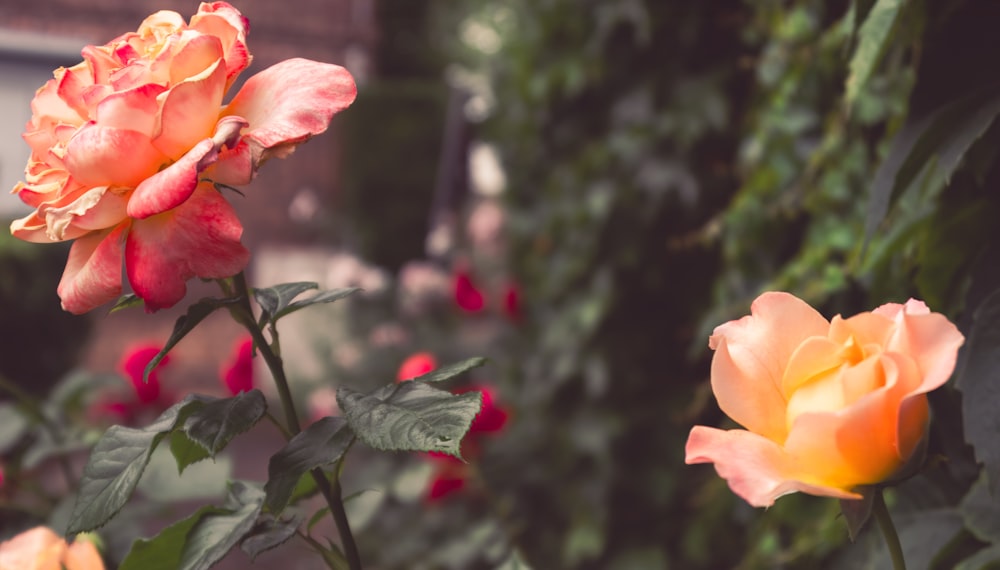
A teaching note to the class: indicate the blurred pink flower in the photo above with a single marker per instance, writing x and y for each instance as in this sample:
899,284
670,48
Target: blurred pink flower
237,372
511,301
415,365
322,402
467,295
133,366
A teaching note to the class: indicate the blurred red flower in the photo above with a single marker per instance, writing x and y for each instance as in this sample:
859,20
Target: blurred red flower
236,373
416,364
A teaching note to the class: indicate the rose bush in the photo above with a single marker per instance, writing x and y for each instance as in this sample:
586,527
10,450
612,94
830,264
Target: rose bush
827,405
128,146
42,549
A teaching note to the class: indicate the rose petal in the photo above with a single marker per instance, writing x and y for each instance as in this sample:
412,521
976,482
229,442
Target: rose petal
35,548
756,468
190,111
751,356
93,271
199,238
106,156
931,339
289,102
172,186
134,109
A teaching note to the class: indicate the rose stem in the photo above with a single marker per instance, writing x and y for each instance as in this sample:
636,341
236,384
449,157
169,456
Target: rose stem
888,531
274,364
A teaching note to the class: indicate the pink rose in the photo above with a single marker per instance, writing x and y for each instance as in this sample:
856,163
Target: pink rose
133,366
42,549
127,146
827,405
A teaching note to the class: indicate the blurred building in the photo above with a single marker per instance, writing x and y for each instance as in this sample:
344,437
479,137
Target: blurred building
282,205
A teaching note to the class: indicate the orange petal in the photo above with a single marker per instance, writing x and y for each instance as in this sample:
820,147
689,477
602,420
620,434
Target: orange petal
747,374
83,555
756,468
931,339
190,111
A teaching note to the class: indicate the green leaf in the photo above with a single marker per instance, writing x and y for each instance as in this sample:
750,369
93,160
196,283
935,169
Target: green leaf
857,512
162,483
126,302
115,466
13,425
274,299
268,534
976,378
981,511
410,416
451,370
185,324
321,297
218,422
186,451
201,540
933,145
321,443
164,551
874,35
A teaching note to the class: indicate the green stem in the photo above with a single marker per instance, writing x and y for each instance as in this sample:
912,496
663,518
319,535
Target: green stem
888,531
245,316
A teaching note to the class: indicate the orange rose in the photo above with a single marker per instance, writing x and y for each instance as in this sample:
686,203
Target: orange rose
127,148
42,549
827,405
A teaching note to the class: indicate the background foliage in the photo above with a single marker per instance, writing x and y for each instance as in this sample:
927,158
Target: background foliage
668,161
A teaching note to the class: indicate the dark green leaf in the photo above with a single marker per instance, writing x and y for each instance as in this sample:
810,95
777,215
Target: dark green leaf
322,443
274,299
410,416
321,297
185,450
976,378
214,425
932,145
981,511
451,370
874,35
857,512
165,550
986,559
185,324
125,302
115,466
268,534
201,540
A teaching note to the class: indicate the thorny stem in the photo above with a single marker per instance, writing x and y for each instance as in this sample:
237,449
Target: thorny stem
245,316
888,531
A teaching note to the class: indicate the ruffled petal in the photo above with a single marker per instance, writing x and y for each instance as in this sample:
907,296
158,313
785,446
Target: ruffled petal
190,111
930,338
199,238
747,375
93,271
756,468
289,102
